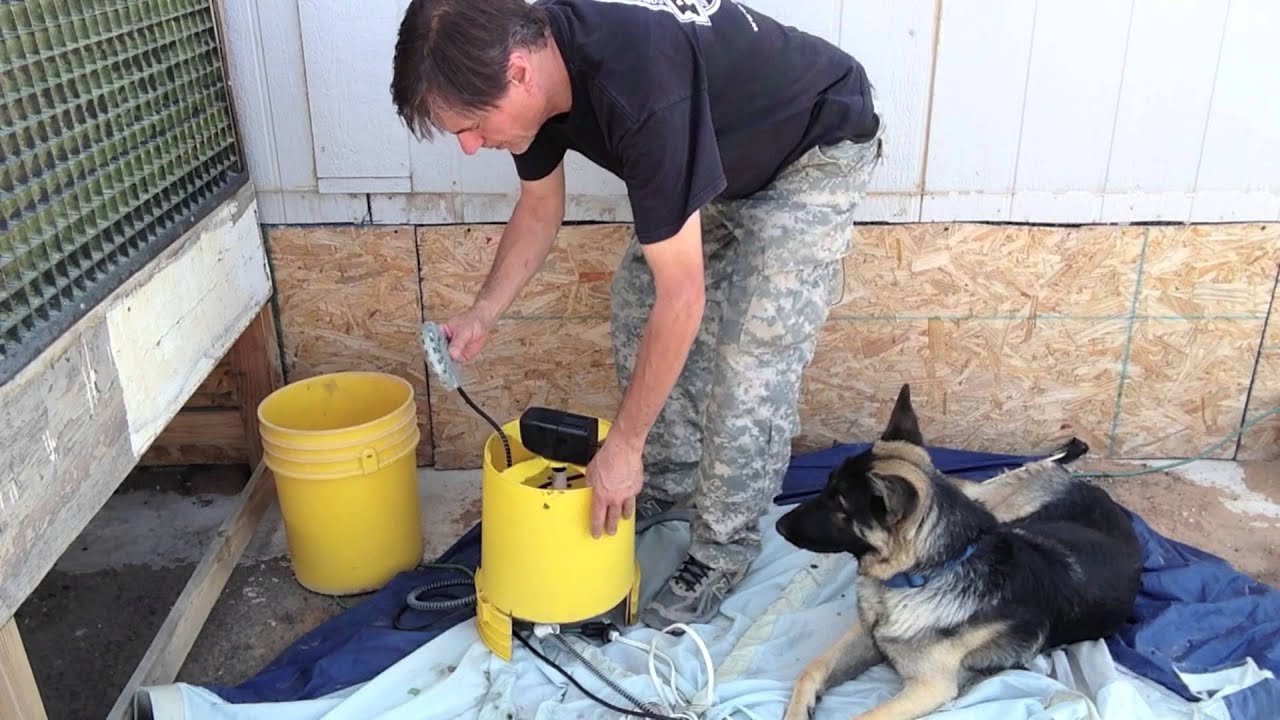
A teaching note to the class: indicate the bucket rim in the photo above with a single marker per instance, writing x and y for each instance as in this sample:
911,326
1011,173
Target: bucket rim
400,409
391,438
278,463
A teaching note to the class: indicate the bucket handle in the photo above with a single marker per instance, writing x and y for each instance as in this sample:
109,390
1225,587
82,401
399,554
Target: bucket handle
369,460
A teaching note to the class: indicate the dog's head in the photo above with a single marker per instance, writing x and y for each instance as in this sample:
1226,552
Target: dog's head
873,500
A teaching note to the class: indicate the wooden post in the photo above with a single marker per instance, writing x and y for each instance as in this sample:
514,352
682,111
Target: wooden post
18,692
255,374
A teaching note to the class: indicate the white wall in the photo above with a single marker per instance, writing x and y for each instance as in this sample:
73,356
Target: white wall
1057,111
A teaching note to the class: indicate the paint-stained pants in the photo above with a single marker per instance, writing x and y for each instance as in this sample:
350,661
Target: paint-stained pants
773,265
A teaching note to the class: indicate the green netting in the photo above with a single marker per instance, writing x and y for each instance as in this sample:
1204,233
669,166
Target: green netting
115,135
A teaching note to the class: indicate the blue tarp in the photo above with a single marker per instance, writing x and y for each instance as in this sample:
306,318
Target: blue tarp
1195,612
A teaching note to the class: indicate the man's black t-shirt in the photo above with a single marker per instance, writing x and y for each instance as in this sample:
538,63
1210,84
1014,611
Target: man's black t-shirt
687,100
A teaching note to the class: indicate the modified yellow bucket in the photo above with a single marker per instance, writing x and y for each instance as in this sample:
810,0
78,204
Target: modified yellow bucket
538,560
342,448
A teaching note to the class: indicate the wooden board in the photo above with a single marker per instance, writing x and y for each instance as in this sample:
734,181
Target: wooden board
1186,383
573,282
1200,313
1170,66
961,270
19,695
559,363
88,407
1209,271
357,133
348,299
1066,136
553,345
1262,441
975,127
987,316
219,424
895,43
200,436
1242,118
257,372
217,390
971,380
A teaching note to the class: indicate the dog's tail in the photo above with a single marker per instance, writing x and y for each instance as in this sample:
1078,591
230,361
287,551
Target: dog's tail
1069,452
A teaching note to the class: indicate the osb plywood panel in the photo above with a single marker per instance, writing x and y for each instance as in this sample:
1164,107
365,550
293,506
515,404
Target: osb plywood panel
349,301
1012,386
566,364
1186,385
1262,441
952,270
1209,270
573,282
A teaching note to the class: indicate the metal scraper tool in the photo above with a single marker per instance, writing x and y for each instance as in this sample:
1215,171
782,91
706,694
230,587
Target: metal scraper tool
436,346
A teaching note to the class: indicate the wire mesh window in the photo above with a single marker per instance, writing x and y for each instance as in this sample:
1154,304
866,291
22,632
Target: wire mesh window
116,135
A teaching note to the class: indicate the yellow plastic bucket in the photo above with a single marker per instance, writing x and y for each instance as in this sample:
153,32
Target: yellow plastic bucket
342,447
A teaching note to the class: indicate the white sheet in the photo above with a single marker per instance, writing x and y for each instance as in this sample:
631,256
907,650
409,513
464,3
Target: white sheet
784,613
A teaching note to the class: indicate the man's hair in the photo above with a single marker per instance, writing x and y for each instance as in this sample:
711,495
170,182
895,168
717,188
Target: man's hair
454,54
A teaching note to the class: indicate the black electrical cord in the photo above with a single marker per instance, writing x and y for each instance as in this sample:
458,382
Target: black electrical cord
588,693
506,444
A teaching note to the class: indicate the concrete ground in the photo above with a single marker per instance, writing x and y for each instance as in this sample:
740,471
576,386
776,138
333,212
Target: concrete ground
90,621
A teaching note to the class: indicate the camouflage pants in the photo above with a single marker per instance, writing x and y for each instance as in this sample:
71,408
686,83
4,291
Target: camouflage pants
773,268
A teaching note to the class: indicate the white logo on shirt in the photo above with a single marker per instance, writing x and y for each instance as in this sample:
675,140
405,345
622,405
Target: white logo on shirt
694,11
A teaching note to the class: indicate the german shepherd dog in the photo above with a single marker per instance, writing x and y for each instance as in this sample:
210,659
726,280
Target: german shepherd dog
957,579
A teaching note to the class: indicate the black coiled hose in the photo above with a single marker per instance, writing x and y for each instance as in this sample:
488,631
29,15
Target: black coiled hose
413,601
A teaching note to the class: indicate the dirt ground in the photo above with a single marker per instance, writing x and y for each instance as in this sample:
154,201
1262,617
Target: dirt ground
90,621
1238,522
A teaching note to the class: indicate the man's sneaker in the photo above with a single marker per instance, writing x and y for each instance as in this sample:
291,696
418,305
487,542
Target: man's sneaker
648,506
692,596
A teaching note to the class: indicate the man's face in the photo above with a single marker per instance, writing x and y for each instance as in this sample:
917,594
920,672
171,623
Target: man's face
510,125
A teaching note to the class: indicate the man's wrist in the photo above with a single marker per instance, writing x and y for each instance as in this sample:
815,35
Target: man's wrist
627,435
487,309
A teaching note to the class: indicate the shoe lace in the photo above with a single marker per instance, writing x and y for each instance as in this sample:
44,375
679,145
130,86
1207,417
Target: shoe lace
692,573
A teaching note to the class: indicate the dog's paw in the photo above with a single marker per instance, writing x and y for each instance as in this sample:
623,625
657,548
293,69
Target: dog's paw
799,711
804,697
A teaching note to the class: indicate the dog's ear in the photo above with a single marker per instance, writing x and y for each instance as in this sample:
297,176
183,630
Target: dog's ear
903,424
892,498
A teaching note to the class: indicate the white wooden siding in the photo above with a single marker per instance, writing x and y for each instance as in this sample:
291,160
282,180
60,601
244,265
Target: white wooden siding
1240,163
1169,73
1061,112
1042,111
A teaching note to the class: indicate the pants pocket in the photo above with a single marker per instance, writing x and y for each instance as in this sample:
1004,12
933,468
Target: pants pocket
781,309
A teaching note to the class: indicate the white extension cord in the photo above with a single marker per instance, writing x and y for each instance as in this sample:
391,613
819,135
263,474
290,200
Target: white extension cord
674,703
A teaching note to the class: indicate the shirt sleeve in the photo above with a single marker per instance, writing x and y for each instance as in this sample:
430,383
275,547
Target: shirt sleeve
671,166
542,156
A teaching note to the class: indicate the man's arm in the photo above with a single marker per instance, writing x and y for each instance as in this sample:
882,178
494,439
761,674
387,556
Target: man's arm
616,474
679,301
525,243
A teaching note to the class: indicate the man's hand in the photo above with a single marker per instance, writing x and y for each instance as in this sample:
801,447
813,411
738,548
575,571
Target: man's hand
467,333
615,475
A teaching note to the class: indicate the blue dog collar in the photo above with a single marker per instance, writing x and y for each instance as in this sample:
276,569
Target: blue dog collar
920,579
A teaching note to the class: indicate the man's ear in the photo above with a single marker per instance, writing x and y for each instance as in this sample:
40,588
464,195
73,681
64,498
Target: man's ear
519,68
896,495
903,425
